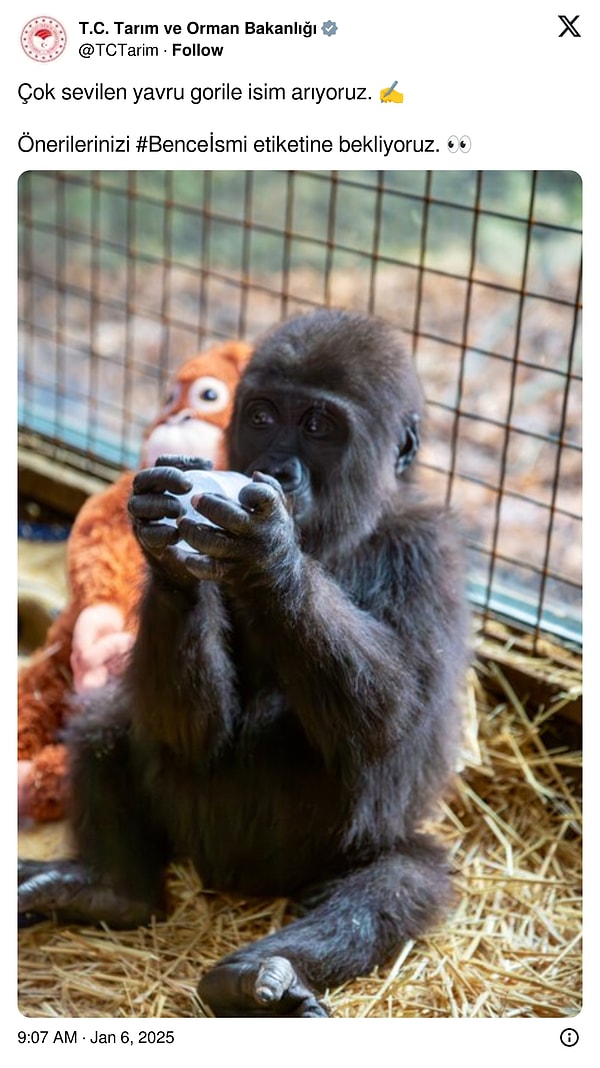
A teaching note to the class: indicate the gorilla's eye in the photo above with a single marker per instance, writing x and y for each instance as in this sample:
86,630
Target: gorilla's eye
318,425
260,417
208,394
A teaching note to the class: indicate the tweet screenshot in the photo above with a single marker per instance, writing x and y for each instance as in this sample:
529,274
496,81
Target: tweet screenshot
299,562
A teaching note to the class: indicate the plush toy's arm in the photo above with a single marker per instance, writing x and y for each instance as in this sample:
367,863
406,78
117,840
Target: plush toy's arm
44,686
104,561
105,573
90,639
43,784
100,646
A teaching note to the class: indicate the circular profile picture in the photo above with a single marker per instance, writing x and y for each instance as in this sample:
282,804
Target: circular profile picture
43,39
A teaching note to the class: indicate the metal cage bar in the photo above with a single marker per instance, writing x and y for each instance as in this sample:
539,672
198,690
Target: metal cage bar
123,275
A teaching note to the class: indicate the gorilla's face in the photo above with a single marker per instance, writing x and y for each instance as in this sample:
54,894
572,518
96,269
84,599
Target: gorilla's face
299,438
329,406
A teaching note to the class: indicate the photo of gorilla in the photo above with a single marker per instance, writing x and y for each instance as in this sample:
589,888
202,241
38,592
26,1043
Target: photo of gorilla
290,714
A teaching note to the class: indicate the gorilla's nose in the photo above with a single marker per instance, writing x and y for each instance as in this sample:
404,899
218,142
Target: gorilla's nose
288,471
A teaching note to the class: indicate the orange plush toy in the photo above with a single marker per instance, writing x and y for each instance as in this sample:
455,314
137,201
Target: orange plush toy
89,640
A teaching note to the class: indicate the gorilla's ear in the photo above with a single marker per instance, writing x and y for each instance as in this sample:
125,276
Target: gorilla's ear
409,447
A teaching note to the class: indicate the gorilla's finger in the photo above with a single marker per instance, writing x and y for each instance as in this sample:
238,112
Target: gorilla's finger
206,568
155,506
185,463
263,495
160,480
157,536
223,512
206,539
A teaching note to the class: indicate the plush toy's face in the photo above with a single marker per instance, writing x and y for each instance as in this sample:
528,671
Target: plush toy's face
198,407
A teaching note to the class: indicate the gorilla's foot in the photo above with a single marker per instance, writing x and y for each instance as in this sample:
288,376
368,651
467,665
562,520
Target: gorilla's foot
268,987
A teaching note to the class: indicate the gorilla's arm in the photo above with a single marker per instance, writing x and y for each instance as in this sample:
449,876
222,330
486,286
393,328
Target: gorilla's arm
180,663
358,681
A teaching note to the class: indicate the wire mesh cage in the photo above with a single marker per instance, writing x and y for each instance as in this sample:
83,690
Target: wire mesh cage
125,274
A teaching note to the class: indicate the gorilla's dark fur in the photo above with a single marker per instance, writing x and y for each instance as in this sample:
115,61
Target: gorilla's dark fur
290,713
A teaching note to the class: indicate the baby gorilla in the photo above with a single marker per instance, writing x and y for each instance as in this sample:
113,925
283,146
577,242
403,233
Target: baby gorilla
290,715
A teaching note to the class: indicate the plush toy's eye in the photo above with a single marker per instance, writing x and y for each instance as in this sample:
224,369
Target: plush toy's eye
208,394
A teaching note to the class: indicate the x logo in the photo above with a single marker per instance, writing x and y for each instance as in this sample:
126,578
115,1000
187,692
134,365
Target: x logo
569,25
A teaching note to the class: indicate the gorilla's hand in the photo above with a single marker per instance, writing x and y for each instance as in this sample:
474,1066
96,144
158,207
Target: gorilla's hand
254,541
153,504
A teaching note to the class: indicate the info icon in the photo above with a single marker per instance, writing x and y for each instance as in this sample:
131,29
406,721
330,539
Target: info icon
43,39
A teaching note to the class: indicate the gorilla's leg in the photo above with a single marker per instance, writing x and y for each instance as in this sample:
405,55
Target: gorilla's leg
74,893
117,874
350,925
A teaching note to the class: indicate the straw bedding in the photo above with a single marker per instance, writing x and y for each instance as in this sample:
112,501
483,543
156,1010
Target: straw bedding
511,946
